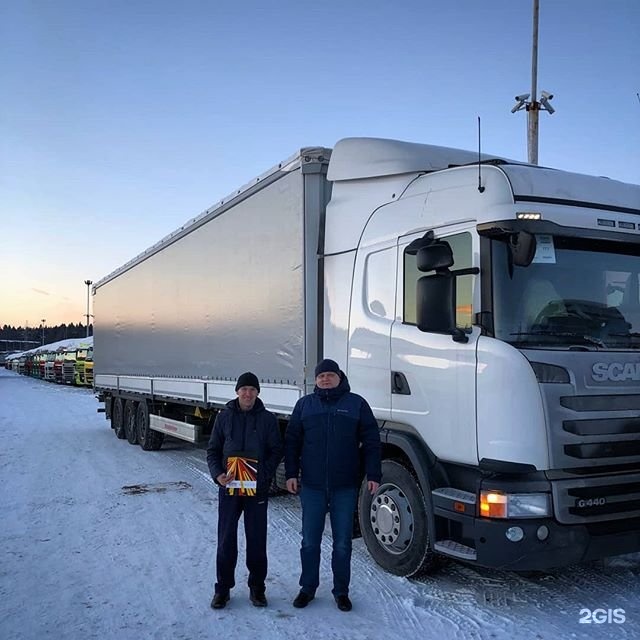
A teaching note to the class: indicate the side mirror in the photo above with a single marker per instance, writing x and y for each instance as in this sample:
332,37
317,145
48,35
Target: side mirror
522,246
434,257
435,303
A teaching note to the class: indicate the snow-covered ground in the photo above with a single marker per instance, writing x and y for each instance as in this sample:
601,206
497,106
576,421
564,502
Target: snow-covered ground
85,555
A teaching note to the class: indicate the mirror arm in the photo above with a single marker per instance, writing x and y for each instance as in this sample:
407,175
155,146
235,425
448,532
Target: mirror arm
471,271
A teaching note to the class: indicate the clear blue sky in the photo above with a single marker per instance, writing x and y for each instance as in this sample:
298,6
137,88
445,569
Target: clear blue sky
122,119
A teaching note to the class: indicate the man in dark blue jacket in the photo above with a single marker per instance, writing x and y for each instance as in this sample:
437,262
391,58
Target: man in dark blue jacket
328,430
244,450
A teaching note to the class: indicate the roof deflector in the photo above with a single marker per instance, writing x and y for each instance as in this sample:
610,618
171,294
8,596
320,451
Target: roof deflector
357,158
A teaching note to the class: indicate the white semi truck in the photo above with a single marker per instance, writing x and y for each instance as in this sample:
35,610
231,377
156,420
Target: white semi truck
488,310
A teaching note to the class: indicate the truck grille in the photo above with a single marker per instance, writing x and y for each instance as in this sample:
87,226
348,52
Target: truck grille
584,500
592,431
603,450
68,370
626,402
602,438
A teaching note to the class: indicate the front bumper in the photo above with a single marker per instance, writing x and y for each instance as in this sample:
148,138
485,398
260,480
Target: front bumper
564,544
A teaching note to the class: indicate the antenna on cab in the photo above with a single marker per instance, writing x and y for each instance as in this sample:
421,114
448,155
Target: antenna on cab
480,187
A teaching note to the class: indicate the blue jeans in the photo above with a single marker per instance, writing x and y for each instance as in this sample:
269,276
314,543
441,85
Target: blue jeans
341,505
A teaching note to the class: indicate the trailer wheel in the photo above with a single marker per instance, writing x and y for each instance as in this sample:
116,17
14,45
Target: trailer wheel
130,422
148,439
394,522
117,418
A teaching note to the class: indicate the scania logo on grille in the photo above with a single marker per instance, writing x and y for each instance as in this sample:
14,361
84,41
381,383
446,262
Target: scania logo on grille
616,371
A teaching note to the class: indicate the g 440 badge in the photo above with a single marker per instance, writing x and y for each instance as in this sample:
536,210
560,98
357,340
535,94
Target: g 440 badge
584,503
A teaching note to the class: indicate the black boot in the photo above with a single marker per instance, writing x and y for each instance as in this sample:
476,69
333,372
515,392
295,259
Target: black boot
257,597
302,600
343,602
219,600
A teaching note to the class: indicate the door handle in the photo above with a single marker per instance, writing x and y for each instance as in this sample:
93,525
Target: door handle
399,384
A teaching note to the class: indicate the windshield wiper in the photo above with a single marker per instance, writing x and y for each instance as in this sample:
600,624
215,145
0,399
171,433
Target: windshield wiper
633,338
562,334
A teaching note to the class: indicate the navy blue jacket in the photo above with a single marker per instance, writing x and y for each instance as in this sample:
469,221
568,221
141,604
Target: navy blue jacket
328,430
254,433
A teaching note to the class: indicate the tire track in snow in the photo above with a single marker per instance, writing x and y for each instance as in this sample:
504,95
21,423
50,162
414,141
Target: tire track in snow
504,598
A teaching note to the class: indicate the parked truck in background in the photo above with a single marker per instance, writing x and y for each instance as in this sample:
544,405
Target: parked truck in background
88,368
41,369
79,365
488,310
69,365
58,364
49,366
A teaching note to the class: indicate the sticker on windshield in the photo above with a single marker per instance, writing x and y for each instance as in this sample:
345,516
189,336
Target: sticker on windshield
545,251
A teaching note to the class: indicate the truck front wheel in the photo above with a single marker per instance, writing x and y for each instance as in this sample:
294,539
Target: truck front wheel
130,422
148,439
394,522
117,418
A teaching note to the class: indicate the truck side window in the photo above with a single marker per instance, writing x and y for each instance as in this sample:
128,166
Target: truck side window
461,247
380,284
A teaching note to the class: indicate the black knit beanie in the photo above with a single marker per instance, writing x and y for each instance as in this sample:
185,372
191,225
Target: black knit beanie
248,379
326,365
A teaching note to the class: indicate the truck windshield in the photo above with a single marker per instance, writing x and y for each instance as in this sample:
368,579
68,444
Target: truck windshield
580,294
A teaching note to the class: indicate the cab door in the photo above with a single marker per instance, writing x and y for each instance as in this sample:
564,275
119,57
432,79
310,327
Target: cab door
433,377
371,317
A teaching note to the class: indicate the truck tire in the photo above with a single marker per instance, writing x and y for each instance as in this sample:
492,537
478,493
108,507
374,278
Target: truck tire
394,522
117,418
130,428
148,439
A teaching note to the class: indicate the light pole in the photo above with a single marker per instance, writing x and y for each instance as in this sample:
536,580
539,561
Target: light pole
88,283
43,321
529,101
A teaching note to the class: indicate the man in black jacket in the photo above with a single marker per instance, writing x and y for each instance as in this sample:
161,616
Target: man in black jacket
328,430
244,450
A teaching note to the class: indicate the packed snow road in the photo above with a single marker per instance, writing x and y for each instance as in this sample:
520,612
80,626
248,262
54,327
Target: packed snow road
100,539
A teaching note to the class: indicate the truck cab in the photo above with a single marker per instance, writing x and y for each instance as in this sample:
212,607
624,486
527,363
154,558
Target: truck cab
88,368
79,366
69,365
493,327
49,370
57,365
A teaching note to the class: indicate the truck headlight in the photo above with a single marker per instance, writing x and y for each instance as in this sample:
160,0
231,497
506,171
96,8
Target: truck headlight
497,504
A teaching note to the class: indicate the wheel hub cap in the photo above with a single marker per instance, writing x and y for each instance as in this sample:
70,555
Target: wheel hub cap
392,519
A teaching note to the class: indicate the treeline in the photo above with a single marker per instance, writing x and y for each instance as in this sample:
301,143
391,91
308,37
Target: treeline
51,334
